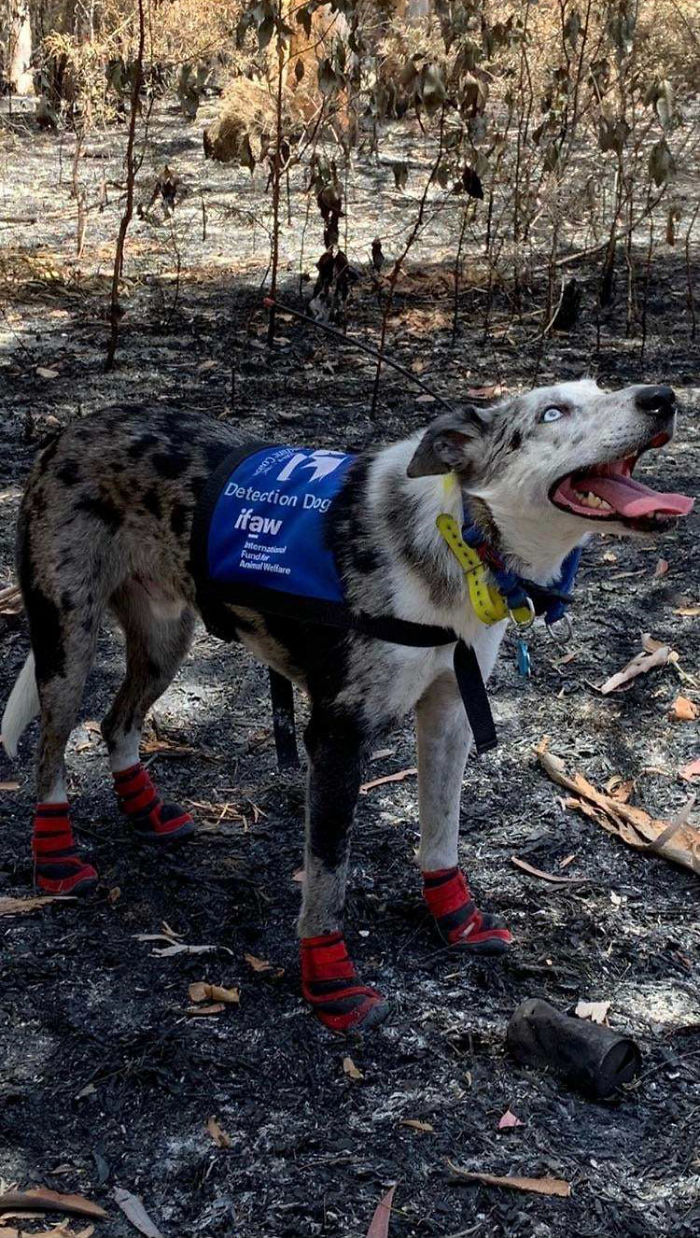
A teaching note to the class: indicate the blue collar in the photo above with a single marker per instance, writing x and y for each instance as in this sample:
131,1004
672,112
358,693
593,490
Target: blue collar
552,601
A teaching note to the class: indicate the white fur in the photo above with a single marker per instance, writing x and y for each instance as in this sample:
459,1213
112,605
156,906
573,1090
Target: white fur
21,708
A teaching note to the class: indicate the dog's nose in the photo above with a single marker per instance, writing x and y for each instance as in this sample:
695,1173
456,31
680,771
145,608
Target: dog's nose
656,400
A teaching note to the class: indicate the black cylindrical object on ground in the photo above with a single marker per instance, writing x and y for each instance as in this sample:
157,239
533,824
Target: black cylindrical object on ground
592,1058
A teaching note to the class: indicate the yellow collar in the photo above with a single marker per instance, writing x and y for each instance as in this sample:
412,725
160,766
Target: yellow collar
488,602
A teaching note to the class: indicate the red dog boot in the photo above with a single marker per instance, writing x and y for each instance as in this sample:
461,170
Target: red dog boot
329,984
458,921
58,869
152,820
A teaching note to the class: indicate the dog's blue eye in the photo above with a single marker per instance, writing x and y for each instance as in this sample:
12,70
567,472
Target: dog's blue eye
551,414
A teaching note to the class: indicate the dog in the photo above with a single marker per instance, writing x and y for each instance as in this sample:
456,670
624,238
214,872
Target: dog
105,525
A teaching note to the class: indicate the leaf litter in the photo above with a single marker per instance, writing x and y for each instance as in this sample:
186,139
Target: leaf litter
677,840
538,1186
134,1211
51,1201
379,1225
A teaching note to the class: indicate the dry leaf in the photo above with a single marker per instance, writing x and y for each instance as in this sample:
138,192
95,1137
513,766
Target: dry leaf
650,643
167,747
378,782
691,770
351,1070
230,997
540,1186
639,665
181,948
195,1011
21,906
485,393
9,786
44,372
51,1201
200,992
675,840
425,399
299,875
661,568
379,1225
683,710
135,1212
58,1231
538,872
221,1139
509,1119
416,1125
620,788
11,601
597,1012
690,612
259,965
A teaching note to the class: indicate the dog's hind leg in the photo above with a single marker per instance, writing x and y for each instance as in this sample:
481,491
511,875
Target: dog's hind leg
158,636
63,633
444,739
329,981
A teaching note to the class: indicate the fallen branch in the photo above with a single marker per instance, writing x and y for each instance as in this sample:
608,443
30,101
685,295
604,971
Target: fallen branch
379,782
676,840
538,872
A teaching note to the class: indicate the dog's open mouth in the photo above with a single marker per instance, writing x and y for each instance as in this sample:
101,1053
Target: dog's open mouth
609,492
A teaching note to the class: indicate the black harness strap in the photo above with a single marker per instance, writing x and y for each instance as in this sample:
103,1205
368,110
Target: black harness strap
469,681
475,698
283,725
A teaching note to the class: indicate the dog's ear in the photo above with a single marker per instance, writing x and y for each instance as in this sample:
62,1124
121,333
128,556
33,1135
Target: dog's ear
451,443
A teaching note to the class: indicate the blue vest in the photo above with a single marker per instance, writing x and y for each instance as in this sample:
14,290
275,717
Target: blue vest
259,537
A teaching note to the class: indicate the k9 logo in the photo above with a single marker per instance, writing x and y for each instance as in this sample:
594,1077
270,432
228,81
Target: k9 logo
321,464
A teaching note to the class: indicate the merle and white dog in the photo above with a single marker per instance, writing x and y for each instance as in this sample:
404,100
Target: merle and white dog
105,526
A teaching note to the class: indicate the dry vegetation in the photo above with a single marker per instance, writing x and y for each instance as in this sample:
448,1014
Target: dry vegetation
545,130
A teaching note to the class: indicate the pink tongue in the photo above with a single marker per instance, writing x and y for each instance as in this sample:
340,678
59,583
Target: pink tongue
630,498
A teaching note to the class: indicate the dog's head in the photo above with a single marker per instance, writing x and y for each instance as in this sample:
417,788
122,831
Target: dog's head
556,463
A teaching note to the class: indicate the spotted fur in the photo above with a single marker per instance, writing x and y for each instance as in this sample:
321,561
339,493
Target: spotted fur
105,526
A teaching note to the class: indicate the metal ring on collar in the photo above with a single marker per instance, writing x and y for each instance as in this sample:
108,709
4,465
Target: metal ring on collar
564,636
527,623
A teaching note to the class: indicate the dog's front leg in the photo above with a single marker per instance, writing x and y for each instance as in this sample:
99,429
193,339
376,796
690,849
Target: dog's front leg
444,739
329,980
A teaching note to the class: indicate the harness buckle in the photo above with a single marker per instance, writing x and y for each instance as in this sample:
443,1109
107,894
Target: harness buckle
523,625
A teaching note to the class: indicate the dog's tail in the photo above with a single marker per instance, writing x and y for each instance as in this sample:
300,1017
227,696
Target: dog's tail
22,706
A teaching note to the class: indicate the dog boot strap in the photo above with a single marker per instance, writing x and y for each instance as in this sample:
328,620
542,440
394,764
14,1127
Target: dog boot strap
58,868
330,985
152,819
458,920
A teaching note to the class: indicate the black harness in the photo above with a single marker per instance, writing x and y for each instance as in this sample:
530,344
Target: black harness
214,600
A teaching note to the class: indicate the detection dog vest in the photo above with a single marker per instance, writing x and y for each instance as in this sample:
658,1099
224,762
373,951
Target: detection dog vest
260,540
261,531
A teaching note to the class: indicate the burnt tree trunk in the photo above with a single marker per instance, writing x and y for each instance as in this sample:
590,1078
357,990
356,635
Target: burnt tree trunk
19,51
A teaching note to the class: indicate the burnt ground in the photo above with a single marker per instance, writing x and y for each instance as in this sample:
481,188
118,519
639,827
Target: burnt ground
104,1079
